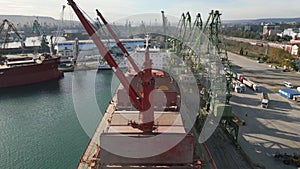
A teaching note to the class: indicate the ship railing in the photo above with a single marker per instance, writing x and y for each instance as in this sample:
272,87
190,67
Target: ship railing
12,63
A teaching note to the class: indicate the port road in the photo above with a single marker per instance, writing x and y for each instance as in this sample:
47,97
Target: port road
246,40
262,73
266,131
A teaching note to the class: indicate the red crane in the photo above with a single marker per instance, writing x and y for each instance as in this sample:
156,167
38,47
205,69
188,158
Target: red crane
141,101
121,46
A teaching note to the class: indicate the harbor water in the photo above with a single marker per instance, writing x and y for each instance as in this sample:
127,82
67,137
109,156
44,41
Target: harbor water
39,127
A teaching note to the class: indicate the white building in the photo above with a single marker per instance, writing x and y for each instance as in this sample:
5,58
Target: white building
292,32
269,29
88,47
294,50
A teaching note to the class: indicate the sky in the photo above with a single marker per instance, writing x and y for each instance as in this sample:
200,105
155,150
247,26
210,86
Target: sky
117,9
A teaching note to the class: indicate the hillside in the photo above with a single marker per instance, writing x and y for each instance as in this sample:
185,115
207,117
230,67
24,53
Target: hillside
265,20
28,20
20,20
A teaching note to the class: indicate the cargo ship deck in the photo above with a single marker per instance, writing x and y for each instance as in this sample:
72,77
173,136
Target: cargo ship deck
114,125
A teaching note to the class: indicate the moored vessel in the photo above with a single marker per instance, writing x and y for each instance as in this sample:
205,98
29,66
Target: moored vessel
66,65
18,70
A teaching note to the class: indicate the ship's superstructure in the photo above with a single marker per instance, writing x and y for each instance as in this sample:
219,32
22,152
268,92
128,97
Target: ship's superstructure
157,57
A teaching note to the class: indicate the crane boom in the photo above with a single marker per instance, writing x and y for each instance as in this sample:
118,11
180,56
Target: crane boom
164,19
59,31
119,43
143,100
107,56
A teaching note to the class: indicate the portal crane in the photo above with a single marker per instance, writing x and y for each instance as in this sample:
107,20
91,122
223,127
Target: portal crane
38,31
140,100
10,27
197,27
164,19
217,40
143,28
59,31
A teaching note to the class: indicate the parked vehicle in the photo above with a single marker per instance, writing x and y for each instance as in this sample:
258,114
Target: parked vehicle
238,86
243,87
296,98
237,89
288,84
252,85
264,100
240,77
288,93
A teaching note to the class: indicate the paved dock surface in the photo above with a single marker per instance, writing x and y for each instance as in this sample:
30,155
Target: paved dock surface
86,66
276,128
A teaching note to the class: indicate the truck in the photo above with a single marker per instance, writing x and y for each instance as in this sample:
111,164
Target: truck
252,85
264,100
288,93
238,86
296,98
288,84
237,89
243,87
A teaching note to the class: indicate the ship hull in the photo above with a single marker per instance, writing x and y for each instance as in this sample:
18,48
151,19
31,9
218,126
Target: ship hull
29,74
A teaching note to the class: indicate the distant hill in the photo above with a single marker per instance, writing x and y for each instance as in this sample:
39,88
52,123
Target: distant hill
21,20
264,20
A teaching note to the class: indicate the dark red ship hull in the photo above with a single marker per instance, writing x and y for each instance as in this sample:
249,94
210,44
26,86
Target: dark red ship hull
28,74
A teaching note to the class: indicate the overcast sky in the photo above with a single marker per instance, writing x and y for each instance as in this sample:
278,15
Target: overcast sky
116,9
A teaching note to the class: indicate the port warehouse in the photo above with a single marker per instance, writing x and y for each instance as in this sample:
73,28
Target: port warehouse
87,47
290,94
